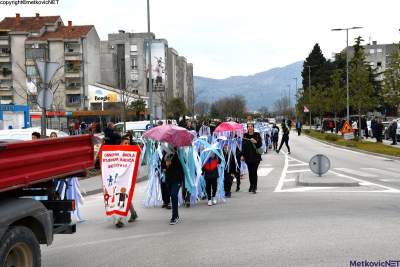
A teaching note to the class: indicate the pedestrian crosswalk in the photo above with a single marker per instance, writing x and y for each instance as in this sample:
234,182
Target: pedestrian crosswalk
356,172
371,172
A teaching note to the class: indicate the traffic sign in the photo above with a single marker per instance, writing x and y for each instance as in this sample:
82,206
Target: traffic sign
319,164
45,93
47,70
306,109
347,128
348,136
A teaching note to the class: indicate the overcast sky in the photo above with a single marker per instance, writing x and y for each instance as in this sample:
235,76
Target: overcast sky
227,38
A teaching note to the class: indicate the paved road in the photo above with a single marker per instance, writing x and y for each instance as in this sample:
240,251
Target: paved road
281,225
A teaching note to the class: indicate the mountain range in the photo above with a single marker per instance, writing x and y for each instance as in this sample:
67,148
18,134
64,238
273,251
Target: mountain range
261,89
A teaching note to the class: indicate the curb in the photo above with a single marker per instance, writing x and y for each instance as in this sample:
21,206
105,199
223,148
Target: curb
319,182
353,149
97,191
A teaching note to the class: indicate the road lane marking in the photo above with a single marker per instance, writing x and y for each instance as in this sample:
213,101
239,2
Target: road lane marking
302,164
104,241
283,175
302,189
264,171
359,173
290,180
298,171
362,181
382,172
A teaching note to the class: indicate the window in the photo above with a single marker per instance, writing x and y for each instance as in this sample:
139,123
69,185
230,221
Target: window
379,50
73,99
30,70
36,51
134,77
70,50
134,65
371,51
32,101
379,64
134,48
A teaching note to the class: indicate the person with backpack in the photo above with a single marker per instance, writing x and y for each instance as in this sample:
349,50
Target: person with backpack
285,138
211,175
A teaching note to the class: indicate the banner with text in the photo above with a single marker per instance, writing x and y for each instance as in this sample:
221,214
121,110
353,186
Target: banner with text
119,167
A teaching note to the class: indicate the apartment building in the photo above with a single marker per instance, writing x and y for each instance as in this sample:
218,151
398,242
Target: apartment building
23,40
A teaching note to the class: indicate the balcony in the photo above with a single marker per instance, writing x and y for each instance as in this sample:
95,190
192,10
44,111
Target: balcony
5,57
73,86
5,75
73,73
73,56
4,40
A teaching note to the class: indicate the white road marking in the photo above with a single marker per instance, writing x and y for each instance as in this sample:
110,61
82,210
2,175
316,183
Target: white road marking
394,169
360,173
290,180
362,181
298,171
103,241
283,175
264,171
302,189
301,164
393,174
384,180
365,183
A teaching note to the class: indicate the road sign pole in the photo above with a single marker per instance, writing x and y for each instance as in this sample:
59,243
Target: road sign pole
43,130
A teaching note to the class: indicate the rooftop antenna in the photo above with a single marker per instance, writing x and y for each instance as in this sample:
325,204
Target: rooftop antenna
369,39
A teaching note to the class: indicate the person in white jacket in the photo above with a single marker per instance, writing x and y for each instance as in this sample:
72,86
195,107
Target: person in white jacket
354,126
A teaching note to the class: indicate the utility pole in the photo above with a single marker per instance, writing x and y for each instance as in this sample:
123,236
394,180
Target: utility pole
296,99
150,67
309,89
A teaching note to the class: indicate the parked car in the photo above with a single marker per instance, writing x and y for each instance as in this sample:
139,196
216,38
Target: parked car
385,123
26,134
387,134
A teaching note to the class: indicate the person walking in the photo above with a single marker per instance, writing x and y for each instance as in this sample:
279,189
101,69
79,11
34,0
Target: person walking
355,127
251,141
285,139
211,175
174,177
298,127
229,173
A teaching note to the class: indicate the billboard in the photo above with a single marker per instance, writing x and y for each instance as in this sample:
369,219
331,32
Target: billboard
158,65
99,95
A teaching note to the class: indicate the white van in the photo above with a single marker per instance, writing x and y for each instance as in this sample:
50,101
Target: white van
26,134
138,125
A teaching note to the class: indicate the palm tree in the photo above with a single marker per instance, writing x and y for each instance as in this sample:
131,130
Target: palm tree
137,107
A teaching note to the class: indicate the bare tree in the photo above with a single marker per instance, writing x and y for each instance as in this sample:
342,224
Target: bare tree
58,106
281,105
202,108
263,110
192,100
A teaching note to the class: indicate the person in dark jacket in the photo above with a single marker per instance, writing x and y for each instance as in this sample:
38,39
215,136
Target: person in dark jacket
237,169
111,138
211,175
364,127
174,176
251,141
298,127
229,173
285,138
392,132
379,127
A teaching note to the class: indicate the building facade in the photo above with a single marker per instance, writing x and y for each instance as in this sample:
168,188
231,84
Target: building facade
75,48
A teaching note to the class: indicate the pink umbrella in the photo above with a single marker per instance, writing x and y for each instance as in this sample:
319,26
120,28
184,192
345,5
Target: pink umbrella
228,126
169,133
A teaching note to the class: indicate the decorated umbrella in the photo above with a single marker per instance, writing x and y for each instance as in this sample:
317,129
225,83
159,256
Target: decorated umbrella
228,126
176,136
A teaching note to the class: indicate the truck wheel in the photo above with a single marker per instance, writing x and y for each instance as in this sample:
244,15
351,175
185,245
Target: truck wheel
19,247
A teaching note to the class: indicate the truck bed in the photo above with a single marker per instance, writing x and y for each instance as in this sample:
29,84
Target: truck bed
29,162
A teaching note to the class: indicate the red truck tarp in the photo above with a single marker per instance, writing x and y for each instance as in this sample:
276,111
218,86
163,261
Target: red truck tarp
29,162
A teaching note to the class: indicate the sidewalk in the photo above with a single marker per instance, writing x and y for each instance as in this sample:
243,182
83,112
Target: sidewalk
93,184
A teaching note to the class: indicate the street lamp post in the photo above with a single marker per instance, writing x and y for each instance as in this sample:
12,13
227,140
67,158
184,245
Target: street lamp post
284,106
150,67
309,89
290,104
347,63
296,98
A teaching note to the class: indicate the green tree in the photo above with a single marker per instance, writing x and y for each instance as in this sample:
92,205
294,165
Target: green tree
391,89
137,107
318,101
335,95
177,108
362,96
315,58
